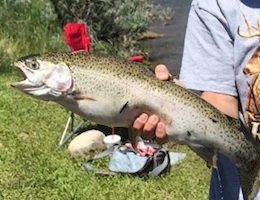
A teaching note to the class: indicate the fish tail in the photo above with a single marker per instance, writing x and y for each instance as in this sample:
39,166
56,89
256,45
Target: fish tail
250,180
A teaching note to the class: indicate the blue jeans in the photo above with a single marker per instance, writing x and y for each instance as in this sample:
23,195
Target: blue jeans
224,183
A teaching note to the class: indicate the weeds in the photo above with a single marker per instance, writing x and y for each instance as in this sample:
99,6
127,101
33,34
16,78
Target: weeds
29,26
108,19
115,22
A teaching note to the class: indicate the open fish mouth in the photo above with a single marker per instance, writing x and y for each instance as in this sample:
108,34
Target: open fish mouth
26,84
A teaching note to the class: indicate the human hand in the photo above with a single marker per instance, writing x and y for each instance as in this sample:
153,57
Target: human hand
151,127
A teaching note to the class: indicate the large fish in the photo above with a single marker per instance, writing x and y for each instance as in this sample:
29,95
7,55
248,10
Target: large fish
113,92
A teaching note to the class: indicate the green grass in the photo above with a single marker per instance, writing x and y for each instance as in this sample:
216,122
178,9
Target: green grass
32,167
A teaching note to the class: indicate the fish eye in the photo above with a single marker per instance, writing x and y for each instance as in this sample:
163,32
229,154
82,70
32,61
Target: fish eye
34,65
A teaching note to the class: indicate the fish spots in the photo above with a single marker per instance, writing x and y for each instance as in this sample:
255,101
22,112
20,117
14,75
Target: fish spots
213,120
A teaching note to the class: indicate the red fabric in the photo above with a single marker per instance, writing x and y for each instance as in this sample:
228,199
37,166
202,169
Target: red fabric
136,58
76,36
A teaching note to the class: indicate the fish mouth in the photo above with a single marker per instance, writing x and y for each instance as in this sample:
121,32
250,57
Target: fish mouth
26,84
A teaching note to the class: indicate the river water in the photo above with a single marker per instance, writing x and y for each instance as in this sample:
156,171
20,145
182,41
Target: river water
168,49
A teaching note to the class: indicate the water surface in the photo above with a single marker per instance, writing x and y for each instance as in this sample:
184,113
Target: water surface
168,49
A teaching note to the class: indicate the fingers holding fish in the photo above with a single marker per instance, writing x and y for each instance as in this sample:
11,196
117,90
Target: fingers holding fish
150,127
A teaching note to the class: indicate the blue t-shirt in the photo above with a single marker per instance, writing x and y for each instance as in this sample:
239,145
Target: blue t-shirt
222,54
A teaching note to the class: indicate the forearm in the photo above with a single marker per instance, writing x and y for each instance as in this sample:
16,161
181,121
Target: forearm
225,103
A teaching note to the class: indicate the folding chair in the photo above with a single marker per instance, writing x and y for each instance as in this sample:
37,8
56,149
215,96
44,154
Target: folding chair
68,133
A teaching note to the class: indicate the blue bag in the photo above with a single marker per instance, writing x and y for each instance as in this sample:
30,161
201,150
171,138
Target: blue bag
127,160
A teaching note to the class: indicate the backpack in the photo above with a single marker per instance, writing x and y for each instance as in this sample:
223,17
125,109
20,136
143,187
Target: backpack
127,161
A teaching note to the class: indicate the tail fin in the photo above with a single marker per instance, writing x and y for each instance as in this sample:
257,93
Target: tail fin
250,180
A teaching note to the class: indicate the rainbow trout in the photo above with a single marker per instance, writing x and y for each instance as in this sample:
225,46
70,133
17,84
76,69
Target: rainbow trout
113,92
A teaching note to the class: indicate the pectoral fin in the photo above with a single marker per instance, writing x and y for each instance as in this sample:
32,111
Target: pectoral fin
82,97
206,153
